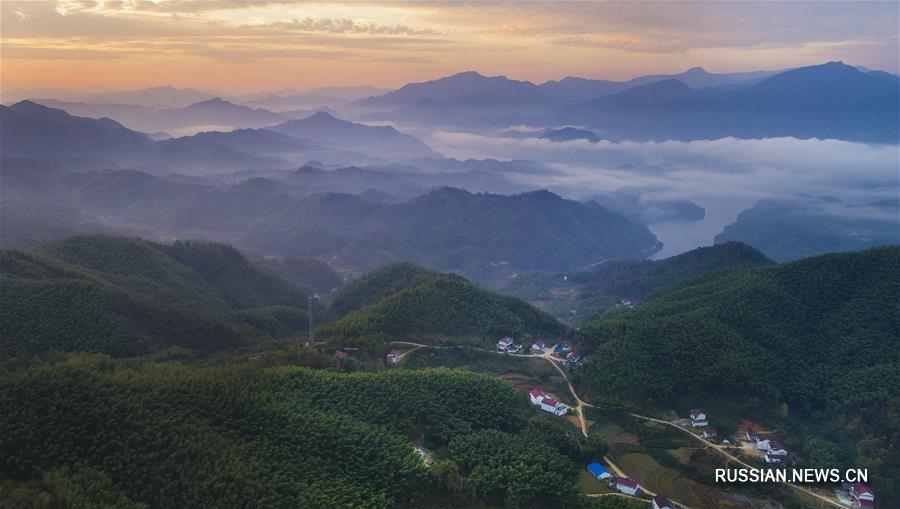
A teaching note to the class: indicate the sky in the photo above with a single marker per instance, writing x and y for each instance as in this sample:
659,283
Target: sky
254,45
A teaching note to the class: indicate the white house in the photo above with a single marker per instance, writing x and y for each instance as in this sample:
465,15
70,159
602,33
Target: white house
862,495
751,436
504,343
773,458
763,443
627,486
709,433
661,502
514,348
538,345
698,418
536,396
553,406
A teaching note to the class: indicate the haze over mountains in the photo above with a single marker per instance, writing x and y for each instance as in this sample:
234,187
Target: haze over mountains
245,177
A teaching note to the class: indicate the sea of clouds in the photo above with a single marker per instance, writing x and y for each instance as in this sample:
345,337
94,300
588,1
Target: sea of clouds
725,176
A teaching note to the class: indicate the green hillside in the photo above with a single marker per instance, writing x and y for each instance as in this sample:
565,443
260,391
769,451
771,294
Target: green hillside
126,296
89,432
591,291
820,335
405,301
378,284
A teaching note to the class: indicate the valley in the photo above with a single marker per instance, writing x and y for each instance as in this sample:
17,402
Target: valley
449,255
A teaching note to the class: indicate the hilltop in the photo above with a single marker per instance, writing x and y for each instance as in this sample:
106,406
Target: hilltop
405,301
818,335
126,296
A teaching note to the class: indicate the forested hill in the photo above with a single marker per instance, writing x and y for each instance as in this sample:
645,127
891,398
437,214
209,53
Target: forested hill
127,296
378,284
749,329
402,301
820,334
453,229
593,290
91,432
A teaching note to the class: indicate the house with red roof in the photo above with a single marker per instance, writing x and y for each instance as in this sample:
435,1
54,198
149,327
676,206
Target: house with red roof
504,344
341,355
627,486
862,495
661,502
553,406
538,345
709,433
536,396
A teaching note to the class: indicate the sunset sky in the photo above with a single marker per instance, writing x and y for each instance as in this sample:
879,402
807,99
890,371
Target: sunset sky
259,45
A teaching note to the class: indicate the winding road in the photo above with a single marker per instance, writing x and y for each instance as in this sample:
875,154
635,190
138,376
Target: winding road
579,410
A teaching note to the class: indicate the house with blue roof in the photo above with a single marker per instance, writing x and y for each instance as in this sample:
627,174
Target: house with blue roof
598,471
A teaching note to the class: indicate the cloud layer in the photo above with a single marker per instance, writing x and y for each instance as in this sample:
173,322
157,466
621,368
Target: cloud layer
290,44
724,176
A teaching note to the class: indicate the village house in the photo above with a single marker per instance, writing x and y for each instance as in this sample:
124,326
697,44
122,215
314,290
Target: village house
562,347
709,433
514,348
627,486
773,458
597,470
750,436
698,418
538,345
341,355
862,495
546,403
504,344
572,359
661,502
392,356
553,406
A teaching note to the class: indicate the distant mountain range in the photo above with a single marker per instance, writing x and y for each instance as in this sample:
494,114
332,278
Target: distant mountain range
454,229
832,100
34,131
302,215
330,97
377,141
210,114
30,130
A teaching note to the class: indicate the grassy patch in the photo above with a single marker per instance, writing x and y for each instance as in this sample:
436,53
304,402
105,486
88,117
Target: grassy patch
587,483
